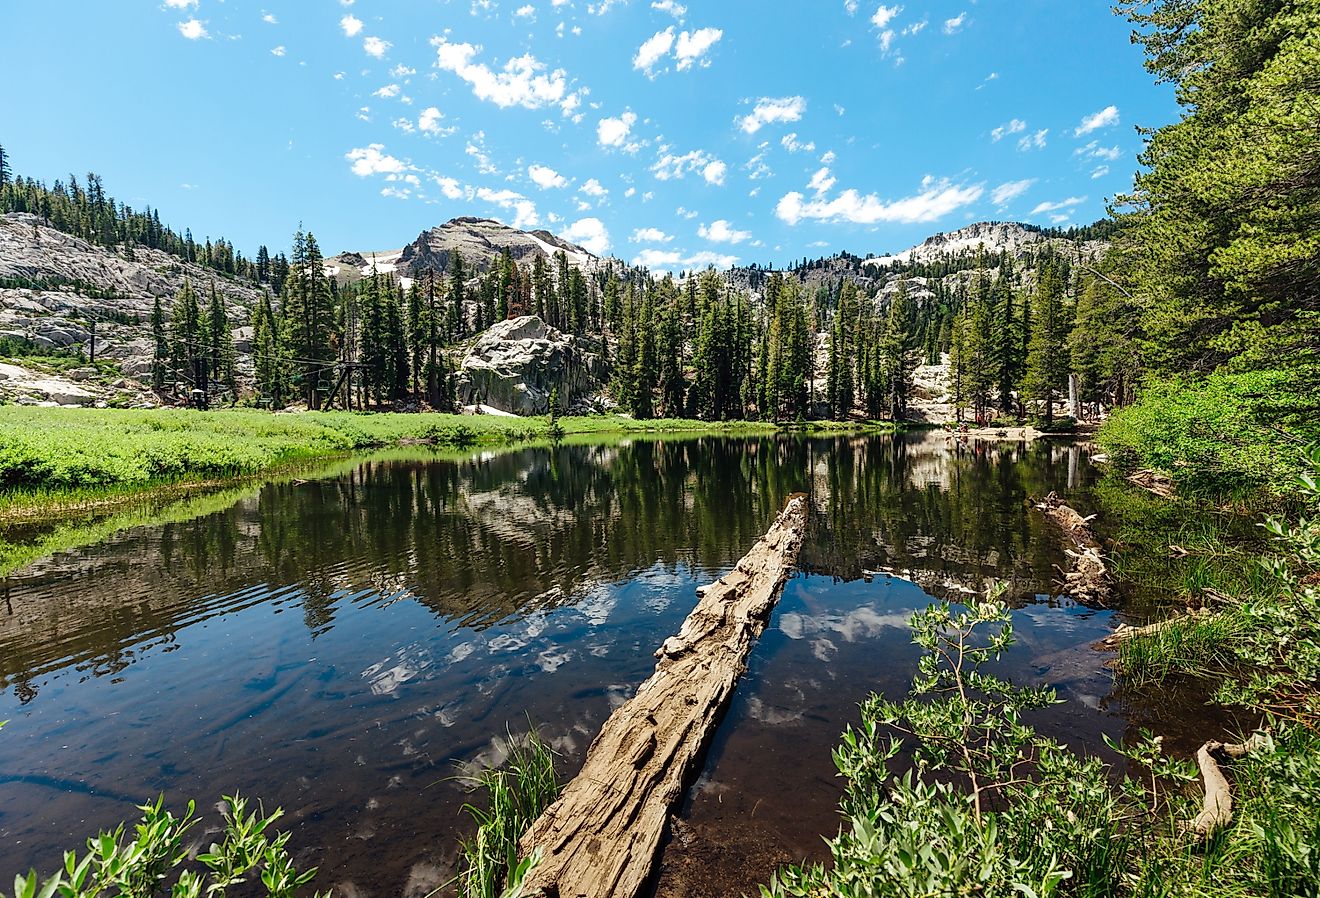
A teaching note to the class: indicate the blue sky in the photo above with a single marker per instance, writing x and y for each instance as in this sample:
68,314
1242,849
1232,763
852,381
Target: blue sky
670,133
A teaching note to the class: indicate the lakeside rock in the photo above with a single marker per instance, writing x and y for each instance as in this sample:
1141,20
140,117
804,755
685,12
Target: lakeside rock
516,364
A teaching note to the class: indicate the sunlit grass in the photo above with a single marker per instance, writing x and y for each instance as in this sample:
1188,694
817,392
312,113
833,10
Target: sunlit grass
516,792
49,453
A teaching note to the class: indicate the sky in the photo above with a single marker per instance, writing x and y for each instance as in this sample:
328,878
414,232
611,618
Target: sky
669,134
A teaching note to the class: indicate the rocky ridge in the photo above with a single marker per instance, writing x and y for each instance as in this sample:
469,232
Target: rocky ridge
479,240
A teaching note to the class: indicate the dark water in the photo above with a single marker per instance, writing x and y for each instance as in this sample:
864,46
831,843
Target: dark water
341,646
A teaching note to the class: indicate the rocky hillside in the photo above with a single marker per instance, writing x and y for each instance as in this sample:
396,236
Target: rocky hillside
479,240
58,292
55,289
994,236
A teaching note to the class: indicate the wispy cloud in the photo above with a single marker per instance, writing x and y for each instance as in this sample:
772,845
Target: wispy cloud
936,199
522,81
769,109
1007,192
1105,118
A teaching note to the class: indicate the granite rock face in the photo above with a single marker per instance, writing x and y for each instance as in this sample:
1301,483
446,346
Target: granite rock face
78,286
516,364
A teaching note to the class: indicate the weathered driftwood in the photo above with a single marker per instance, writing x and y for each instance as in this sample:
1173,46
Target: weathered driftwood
1217,809
1087,578
1157,482
600,837
1126,631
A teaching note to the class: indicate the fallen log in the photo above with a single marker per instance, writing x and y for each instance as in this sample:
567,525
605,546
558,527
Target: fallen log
1069,520
600,837
1087,579
1156,482
1217,808
1126,631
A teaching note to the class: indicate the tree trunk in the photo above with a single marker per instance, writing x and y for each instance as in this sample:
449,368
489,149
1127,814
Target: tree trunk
600,836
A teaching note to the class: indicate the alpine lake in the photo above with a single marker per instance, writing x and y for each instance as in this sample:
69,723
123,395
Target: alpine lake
350,643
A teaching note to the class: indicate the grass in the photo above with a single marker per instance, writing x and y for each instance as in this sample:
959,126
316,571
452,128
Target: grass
517,792
1195,645
1272,848
48,453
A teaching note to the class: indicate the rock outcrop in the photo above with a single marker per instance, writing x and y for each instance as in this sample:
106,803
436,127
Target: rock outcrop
76,285
516,364
479,240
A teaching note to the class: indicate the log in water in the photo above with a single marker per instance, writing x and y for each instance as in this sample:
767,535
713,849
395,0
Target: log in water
601,836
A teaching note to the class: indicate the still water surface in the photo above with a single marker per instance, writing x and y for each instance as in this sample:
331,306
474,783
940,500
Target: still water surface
343,647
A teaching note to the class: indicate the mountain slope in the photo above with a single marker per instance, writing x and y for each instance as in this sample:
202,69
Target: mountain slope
479,240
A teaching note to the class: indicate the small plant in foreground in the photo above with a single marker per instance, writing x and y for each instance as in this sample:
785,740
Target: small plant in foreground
518,791
142,864
989,807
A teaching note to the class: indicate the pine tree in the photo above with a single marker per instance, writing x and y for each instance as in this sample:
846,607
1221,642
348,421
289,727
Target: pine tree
187,350
1006,338
456,324
1047,356
416,338
897,355
160,357
979,350
220,343
669,349
6,173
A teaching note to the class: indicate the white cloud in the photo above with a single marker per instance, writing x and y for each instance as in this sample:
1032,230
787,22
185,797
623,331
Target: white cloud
938,197
193,30
1105,118
650,235
670,260
915,28
181,4
771,109
1034,141
653,49
451,188
1060,205
1100,172
386,92
524,210
720,231
269,18
952,25
404,125
613,132
790,142
523,81
821,181
592,187
884,15
525,12
476,149
850,7
1010,190
677,10
671,166
689,214
402,71
1013,127
692,47
591,234
376,47
373,160
1093,150
277,51
545,177
351,25
429,120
